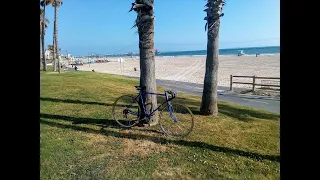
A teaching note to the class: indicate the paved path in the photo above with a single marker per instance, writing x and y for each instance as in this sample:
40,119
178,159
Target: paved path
253,101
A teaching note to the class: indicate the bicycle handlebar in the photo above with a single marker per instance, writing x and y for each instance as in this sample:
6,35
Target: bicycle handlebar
172,93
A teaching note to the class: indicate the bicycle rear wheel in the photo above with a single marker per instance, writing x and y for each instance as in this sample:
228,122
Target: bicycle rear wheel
126,111
179,123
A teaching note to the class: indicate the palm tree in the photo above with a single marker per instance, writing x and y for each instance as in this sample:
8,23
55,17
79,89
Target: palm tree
44,3
209,102
42,22
54,54
56,4
145,24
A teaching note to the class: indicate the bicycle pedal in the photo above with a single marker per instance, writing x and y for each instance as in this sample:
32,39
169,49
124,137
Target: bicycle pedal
146,125
142,124
139,124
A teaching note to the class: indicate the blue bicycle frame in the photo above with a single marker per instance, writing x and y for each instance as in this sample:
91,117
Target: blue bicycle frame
140,95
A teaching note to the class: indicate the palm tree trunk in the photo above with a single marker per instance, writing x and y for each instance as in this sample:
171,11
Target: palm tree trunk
40,48
209,104
44,62
54,55
56,33
147,63
209,96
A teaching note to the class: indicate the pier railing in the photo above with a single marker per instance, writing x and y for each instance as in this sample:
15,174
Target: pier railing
272,83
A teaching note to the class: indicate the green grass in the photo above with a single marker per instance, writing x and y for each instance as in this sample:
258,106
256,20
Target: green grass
49,70
80,140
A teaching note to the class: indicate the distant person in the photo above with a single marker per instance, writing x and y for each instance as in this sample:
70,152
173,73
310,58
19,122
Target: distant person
76,68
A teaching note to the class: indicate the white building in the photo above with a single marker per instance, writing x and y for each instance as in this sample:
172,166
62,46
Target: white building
48,54
62,57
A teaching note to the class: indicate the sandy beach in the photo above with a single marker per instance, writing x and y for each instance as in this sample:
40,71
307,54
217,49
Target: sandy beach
192,69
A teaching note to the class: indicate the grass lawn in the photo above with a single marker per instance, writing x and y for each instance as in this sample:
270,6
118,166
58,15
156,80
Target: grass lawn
80,140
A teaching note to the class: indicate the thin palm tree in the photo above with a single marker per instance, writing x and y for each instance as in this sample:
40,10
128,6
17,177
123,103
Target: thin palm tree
56,4
44,3
209,104
54,54
44,22
145,24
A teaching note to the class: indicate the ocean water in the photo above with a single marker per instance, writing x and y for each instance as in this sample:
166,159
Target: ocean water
234,51
268,50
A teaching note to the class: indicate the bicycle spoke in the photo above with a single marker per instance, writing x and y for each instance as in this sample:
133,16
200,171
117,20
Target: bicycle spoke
179,123
126,111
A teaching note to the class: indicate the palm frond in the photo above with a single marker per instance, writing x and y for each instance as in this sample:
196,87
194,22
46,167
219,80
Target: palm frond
46,2
50,47
135,25
45,25
132,4
209,3
46,20
144,10
138,6
147,2
214,12
57,3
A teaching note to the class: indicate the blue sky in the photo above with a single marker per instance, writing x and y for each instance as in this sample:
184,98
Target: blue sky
104,26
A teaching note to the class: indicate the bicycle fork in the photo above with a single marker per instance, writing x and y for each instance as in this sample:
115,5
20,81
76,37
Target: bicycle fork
171,112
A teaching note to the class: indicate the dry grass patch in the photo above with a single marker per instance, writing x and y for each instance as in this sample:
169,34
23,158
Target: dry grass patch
143,148
166,170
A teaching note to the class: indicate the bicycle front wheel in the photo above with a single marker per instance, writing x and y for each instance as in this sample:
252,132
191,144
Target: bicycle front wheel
179,122
126,111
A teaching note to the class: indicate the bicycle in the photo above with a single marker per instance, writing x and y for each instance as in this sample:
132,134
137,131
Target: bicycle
127,112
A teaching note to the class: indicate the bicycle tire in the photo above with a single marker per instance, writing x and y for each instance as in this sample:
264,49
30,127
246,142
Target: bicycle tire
121,108
184,116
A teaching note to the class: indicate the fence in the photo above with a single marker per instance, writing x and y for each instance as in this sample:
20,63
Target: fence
264,84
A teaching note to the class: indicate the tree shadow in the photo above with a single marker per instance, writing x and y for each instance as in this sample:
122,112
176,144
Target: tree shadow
161,99
78,120
158,139
239,113
73,101
77,101
242,114
103,123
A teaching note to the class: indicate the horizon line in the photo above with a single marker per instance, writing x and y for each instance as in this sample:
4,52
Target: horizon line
180,50
223,48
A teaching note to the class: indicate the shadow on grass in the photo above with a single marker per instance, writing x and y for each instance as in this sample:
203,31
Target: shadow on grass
74,101
156,139
103,123
78,120
240,113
